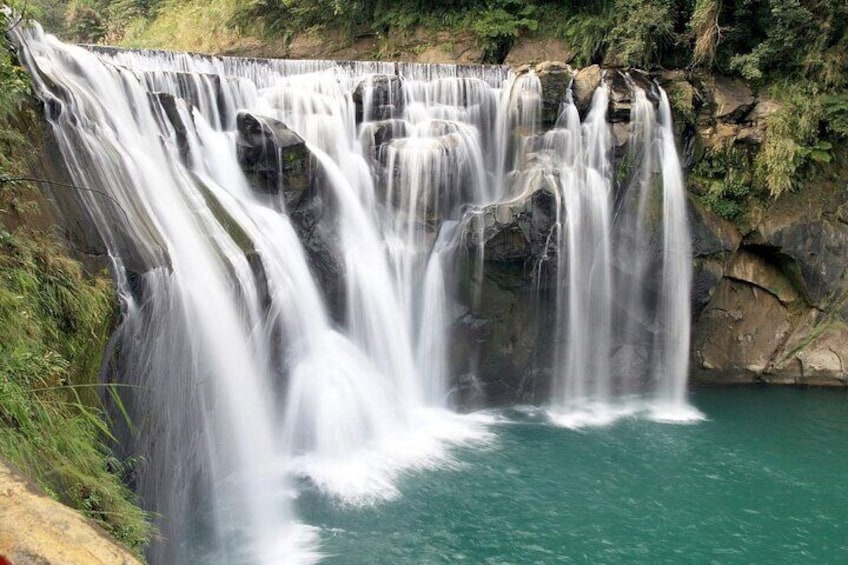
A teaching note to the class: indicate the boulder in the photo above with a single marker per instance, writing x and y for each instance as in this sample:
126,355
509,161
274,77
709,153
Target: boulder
732,99
374,136
517,229
274,158
378,97
764,108
277,161
556,81
585,82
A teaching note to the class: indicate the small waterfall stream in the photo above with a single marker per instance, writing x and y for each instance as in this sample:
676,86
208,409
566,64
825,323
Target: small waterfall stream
251,377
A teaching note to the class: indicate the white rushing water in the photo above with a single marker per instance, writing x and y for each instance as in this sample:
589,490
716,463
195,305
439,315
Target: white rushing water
254,376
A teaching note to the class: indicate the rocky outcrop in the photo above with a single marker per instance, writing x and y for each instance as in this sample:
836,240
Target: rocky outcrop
555,78
732,99
278,163
378,97
586,81
714,243
748,320
37,530
770,291
813,250
779,302
501,345
532,50
274,158
518,229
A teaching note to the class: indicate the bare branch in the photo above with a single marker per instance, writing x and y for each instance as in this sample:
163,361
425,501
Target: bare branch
12,180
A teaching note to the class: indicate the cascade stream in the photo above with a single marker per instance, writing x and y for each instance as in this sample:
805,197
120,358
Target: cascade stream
280,331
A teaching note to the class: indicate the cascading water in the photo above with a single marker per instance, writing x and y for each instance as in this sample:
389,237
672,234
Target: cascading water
648,352
251,370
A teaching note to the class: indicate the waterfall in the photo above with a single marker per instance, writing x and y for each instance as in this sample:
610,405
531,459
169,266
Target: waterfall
623,306
287,304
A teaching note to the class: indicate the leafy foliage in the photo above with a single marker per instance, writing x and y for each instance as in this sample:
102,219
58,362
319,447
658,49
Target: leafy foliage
793,139
54,323
706,31
643,29
499,23
723,180
14,81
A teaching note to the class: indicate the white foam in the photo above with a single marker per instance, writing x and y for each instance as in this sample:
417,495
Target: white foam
675,413
601,414
370,474
294,544
590,414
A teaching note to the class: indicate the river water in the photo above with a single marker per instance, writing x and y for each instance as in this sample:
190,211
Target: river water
761,480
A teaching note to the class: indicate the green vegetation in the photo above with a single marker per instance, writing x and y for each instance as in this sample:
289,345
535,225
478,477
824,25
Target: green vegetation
723,180
55,320
793,51
793,142
760,40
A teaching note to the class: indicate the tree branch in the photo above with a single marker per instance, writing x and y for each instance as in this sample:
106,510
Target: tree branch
12,180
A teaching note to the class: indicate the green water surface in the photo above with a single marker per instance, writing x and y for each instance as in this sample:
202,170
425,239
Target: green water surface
763,480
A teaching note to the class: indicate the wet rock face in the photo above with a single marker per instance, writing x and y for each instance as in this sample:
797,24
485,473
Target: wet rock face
277,161
503,342
621,84
168,103
516,231
585,82
556,81
501,346
315,220
379,97
375,136
426,179
274,158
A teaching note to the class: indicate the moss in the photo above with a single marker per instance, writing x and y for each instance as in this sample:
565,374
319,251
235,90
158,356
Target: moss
231,226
